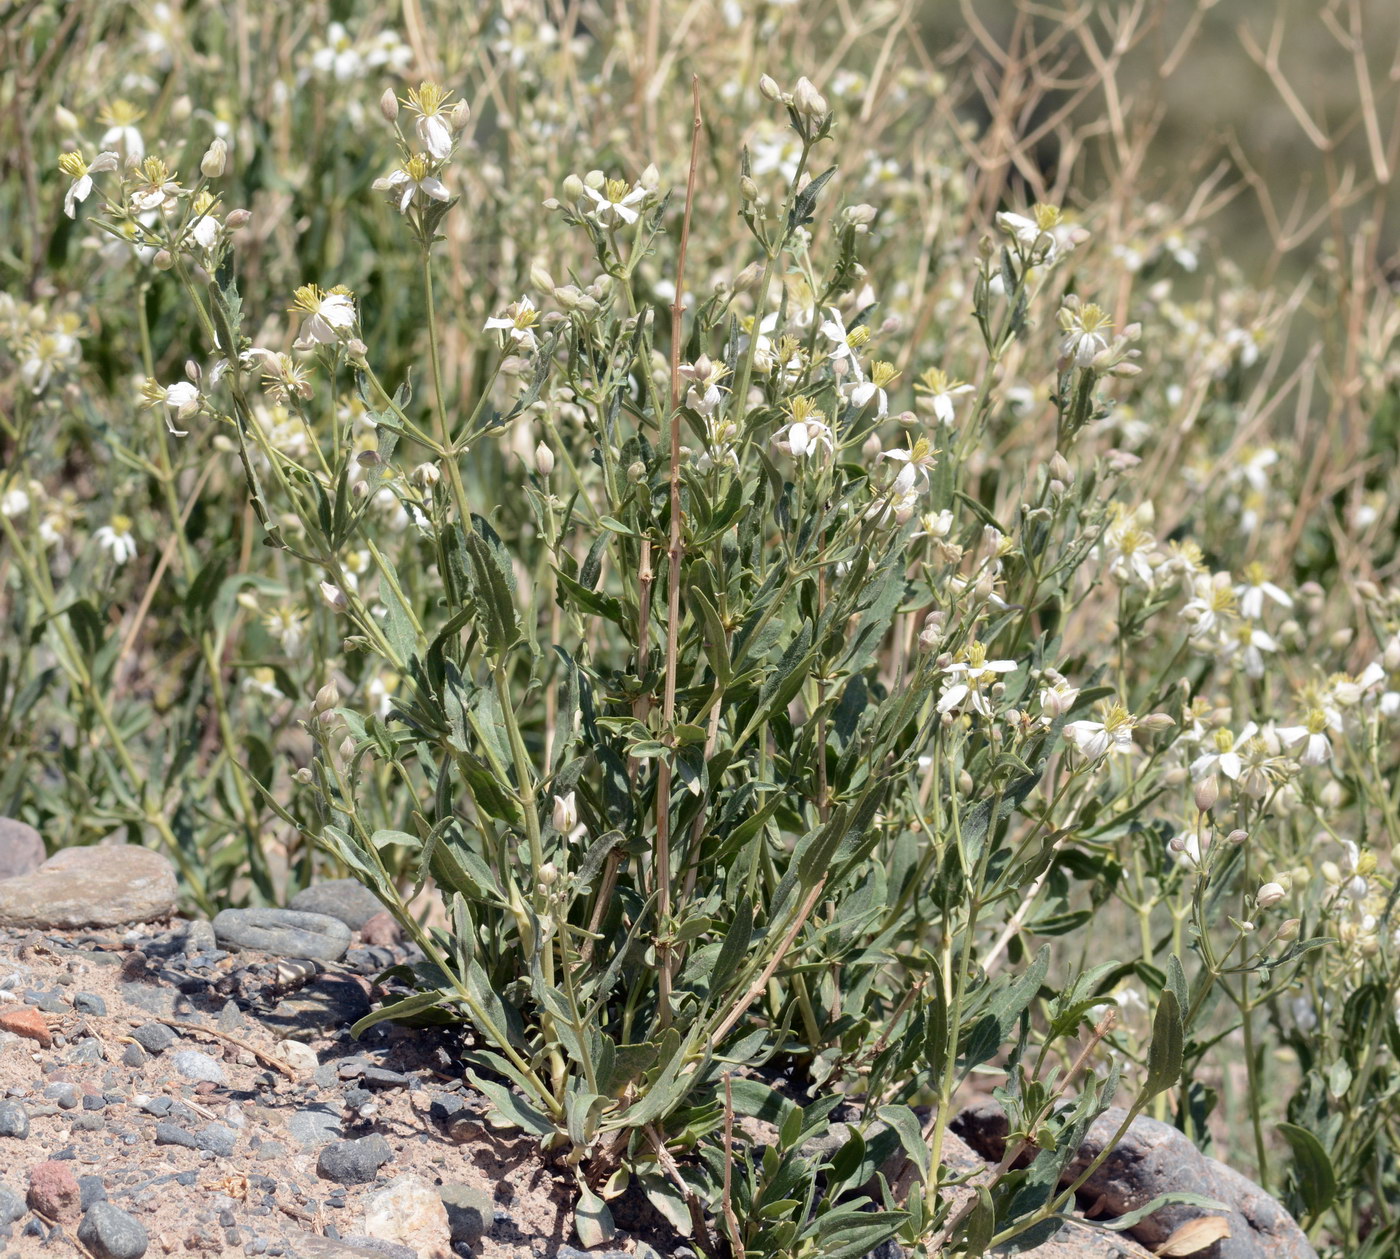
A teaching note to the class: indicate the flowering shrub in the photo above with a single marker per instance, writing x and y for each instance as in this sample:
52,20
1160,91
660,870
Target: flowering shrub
773,628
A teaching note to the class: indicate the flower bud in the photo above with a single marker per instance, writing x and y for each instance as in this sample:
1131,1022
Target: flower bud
565,814
389,105
1269,895
807,100
459,115
544,460
1290,929
163,260
334,597
65,119
1237,836
304,776
636,471
1060,469
236,219
327,697
549,874
426,475
1207,793
748,189
573,188
347,748
769,89
215,159
1156,722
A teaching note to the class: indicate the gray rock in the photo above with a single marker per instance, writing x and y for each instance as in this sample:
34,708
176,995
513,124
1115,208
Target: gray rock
568,1252
12,1205
287,932
332,1002
470,1212
199,936
173,1134
154,998
21,848
218,1139
134,1056
194,1064
14,1120
349,900
110,1233
89,1003
90,1190
105,886
354,1162
153,1037
312,1126
1154,1158
68,1096
312,1246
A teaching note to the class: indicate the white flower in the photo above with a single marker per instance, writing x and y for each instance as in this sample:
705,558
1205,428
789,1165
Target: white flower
1254,589
115,538
1249,643
936,392
807,433
180,401
518,323
1225,757
1214,600
1098,738
860,392
973,672
1311,737
614,202
433,123
1086,330
1057,699
81,173
414,179
287,624
917,461
14,502
121,118
157,189
844,344
329,315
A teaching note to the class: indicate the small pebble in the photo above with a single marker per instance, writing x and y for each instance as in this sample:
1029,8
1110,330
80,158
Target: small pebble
134,1056
218,1139
68,1096
194,1064
89,1003
153,1037
354,1162
12,1206
14,1120
173,1134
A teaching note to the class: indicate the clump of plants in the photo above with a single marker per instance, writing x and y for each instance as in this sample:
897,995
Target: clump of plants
764,686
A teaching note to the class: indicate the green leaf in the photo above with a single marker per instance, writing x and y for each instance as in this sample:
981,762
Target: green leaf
736,945
1312,1169
493,588
401,1011
981,1224
593,1221
511,1109
1164,1056
1175,1196
905,1124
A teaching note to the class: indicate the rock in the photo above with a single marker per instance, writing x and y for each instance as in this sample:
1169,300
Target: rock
194,1064
21,848
153,1037
110,1233
348,900
54,1192
332,1002
154,998
105,886
218,1139
173,1134
354,1162
1154,1158
14,1120
134,1056
67,1095
27,1022
313,1246
382,930
408,1210
287,932
300,1057
470,1212
12,1206
89,1003
199,936
90,1190
312,1126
